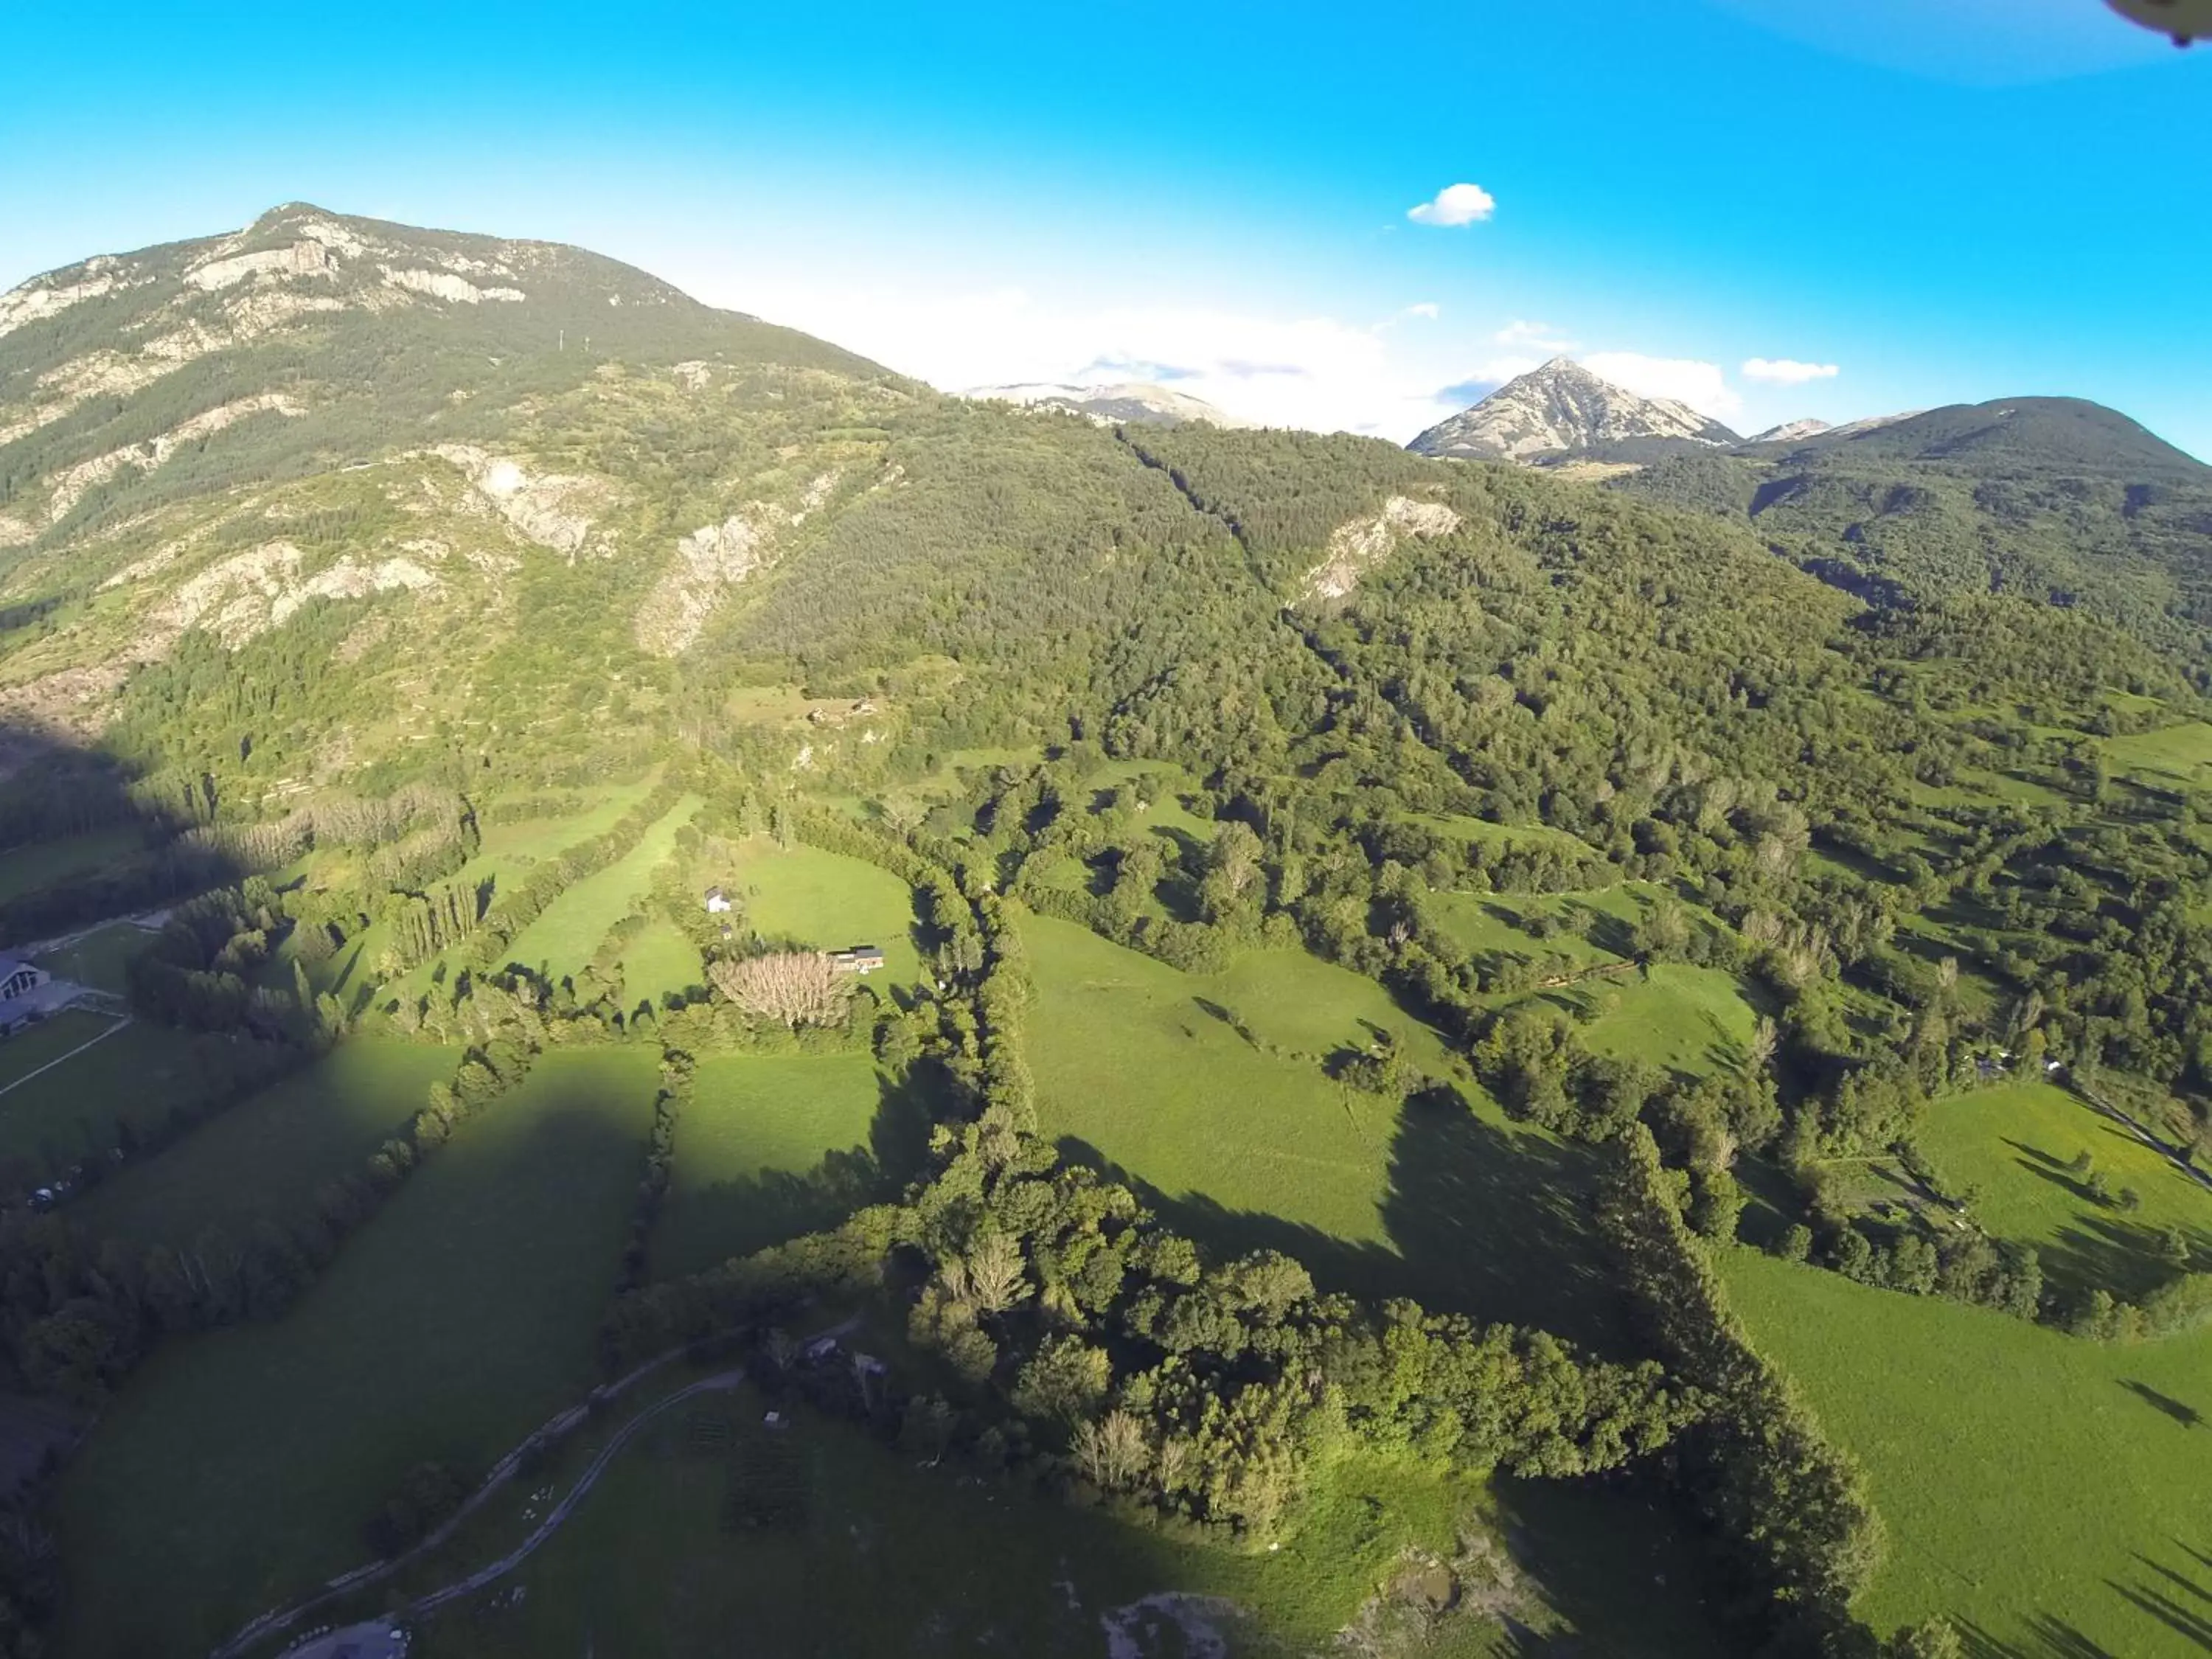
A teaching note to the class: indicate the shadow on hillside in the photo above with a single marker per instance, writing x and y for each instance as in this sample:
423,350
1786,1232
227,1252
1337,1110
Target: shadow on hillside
771,1206
1482,1221
54,794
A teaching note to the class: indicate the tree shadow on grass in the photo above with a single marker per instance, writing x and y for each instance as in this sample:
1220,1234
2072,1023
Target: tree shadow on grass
771,1206
2047,1638
2179,1410
1485,1222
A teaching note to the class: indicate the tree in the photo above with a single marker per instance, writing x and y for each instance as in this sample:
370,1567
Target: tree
1931,1639
996,1278
1112,1451
1065,1380
797,988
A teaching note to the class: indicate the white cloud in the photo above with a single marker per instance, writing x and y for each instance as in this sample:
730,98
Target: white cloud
1428,308
1533,337
1455,205
1787,371
1315,372
1702,386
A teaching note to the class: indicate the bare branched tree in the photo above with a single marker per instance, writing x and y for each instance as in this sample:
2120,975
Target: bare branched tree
799,988
994,1273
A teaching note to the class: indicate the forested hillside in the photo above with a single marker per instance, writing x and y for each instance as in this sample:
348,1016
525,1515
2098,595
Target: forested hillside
1371,946
2059,500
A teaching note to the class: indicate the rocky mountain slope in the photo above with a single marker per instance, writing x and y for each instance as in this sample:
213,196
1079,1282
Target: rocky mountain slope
1562,410
395,443
1139,403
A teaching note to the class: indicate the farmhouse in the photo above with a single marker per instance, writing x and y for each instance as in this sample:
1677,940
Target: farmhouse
17,980
859,959
717,902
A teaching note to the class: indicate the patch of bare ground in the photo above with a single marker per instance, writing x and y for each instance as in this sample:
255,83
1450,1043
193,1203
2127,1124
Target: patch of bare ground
1427,1594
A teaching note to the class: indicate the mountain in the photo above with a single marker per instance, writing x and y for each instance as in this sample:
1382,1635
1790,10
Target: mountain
1562,410
2016,436
359,444
1788,431
1139,403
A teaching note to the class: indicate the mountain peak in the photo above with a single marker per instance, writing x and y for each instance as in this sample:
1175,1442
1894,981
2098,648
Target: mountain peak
1563,409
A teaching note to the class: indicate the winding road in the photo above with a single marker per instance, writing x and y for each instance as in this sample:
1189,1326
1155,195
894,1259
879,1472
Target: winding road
275,1623
721,1382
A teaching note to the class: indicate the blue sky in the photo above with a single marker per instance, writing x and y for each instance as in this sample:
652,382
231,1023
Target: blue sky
1942,200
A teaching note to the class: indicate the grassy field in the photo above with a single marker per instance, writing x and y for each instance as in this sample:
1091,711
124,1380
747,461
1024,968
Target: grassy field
1248,1143
2172,753
98,959
532,840
269,1155
876,1553
1679,1017
37,1046
770,1146
238,1468
828,901
55,1118
2046,1492
2013,1143
564,938
41,863
657,961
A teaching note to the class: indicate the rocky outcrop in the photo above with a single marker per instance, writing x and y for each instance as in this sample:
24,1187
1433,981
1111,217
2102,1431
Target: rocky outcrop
1356,547
553,509
444,285
305,258
251,593
51,294
714,559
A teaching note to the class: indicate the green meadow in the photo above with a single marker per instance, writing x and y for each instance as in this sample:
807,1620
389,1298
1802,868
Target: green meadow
2015,1146
237,1469
267,1156
828,901
658,962
2046,1493
565,937
770,1146
98,956
1210,1091
138,1076
28,868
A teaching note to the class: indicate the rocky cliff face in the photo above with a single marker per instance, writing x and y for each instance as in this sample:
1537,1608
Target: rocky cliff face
1563,410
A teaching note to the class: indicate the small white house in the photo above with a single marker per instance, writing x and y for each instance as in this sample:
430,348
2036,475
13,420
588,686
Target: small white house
17,980
717,902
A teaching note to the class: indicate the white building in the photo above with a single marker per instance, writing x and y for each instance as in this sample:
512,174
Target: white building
717,902
17,980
